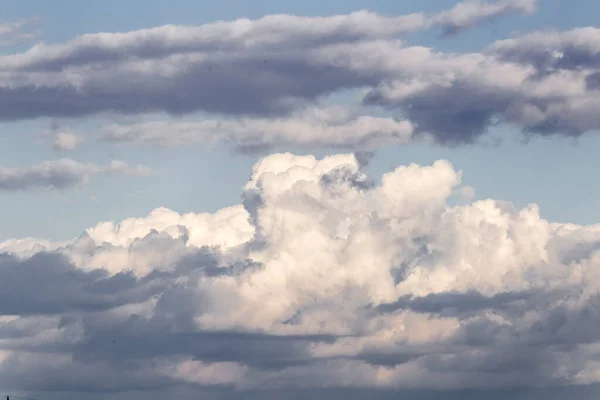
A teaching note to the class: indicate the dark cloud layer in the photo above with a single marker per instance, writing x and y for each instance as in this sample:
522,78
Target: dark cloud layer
277,65
542,83
50,284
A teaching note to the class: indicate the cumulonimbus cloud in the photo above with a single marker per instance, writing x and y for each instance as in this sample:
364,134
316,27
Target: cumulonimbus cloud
320,279
60,174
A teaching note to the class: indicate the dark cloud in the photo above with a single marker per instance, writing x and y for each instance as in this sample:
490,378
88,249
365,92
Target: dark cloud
277,65
234,86
50,284
455,303
549,51
275,68
147,341
453,115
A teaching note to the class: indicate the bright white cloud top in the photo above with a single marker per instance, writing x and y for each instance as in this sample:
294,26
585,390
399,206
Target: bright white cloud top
322,278
323,281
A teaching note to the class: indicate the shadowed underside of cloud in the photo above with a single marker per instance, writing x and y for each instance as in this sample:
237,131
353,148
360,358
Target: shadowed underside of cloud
61,174
276,66
318,283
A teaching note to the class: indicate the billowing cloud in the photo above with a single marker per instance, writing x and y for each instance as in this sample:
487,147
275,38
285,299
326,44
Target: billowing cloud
331,127
322,280
60,174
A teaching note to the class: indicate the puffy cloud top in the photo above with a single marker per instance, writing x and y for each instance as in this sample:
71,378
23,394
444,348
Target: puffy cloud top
322,278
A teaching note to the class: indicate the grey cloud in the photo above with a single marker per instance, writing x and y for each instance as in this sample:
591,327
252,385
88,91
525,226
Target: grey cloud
235,85
274,69
453,303
592,81
268,66
471,12
146,341
44,373
275,32
60,175
554,393
332,127
48,284
455,114
460,111
110,343
345,176
552,50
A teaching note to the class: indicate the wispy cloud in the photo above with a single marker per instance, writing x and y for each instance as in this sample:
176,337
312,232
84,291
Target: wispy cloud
60,174
326,127
16,31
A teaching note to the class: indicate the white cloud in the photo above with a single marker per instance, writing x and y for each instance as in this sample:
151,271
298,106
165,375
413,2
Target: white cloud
322,277
467,192
293,61
60,174
297,61
374,285
470,12
67,141
333,127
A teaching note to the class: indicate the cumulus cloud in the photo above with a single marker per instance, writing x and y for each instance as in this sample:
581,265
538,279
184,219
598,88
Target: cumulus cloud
329,127
60,174
322,279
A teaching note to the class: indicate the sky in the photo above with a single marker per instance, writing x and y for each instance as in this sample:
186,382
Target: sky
277,200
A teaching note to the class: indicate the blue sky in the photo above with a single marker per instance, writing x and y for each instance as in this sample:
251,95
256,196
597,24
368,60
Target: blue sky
511,171
255,224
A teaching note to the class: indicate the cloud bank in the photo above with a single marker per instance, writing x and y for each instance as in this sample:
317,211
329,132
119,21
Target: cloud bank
280,66
321,280
259,81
